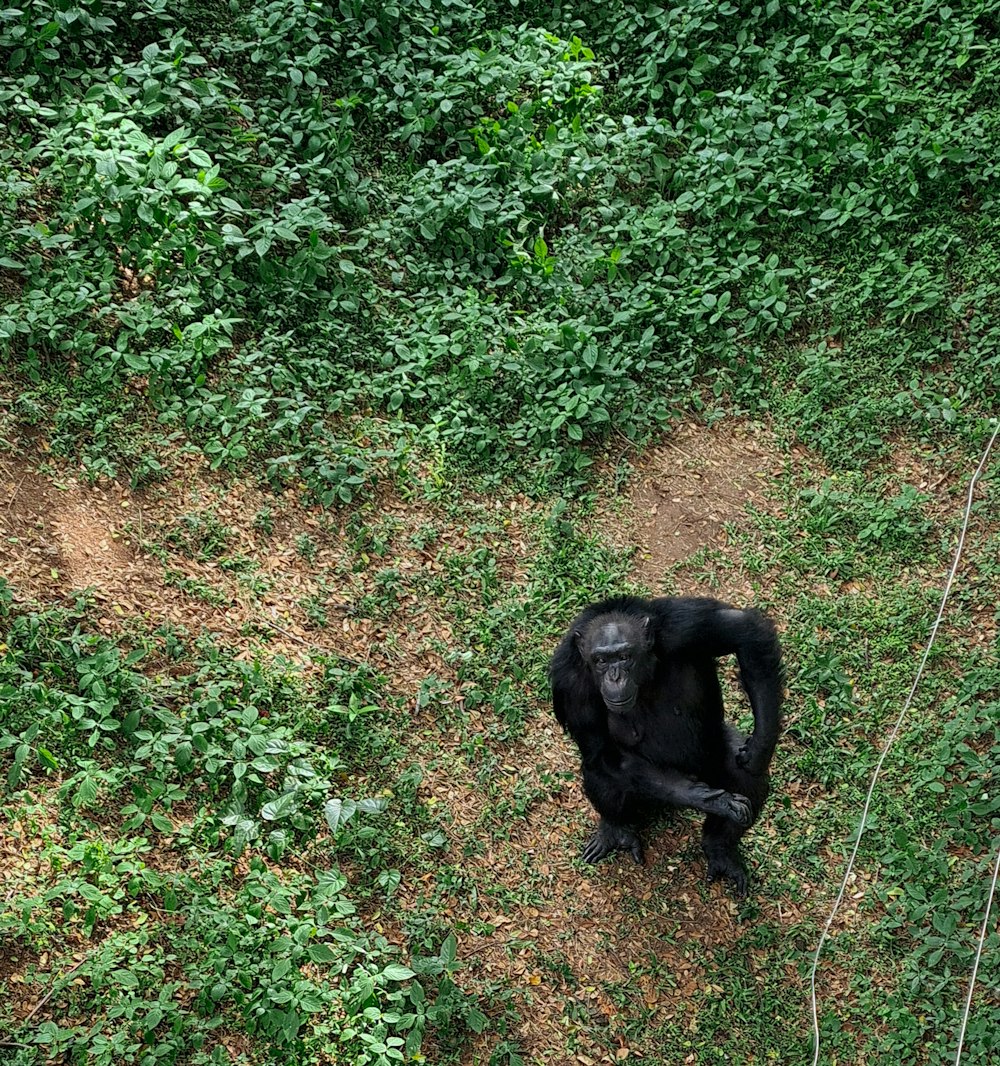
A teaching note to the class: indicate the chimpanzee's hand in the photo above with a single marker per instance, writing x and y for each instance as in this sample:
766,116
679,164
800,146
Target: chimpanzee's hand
736,808
751,759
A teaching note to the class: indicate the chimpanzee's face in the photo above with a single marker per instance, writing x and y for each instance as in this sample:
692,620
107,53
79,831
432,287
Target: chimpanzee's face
620,657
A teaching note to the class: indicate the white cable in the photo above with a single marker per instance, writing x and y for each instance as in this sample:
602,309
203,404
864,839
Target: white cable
975,965
889,742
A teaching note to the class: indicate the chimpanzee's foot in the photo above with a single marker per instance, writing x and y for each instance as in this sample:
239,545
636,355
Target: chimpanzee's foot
608,838
728,866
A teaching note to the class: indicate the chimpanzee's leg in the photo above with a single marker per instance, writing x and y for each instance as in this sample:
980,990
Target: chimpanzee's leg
721,836
618,808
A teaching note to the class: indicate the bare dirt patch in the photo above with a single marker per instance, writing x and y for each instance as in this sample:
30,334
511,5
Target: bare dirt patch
56,534
294,579
688,490
59,537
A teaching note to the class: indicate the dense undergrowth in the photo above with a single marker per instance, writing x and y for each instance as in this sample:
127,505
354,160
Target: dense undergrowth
216,765
457,244
335,236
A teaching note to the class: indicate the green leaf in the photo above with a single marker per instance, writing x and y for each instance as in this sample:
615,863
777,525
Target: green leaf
476,1020
312,1002
125,978
86,793
279,808
449,949
322,953
173,139
90,893
338,812
21,753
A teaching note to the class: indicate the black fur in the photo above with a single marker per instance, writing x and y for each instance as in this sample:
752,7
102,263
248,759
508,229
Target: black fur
662,741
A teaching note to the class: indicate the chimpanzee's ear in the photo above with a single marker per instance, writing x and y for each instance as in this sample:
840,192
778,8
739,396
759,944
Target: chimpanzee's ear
646,629
578,640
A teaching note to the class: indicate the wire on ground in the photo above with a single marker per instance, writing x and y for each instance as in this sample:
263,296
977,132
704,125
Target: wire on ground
878,769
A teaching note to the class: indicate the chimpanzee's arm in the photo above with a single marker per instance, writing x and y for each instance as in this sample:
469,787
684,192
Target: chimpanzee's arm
614,779
665,785
715,628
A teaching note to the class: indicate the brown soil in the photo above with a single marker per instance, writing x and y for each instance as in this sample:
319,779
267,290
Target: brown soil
688,495
57,537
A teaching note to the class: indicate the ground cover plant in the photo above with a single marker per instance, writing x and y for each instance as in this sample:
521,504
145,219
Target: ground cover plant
347,351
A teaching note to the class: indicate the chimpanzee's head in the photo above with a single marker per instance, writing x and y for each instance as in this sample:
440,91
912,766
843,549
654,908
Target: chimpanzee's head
618,649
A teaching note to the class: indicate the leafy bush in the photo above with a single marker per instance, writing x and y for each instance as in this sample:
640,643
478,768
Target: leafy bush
261,227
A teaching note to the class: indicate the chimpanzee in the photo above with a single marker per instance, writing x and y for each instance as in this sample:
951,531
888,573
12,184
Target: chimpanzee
635,683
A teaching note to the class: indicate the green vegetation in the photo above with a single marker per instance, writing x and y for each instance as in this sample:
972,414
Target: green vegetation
357,313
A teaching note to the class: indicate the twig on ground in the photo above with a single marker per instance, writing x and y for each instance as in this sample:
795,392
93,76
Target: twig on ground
54,989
